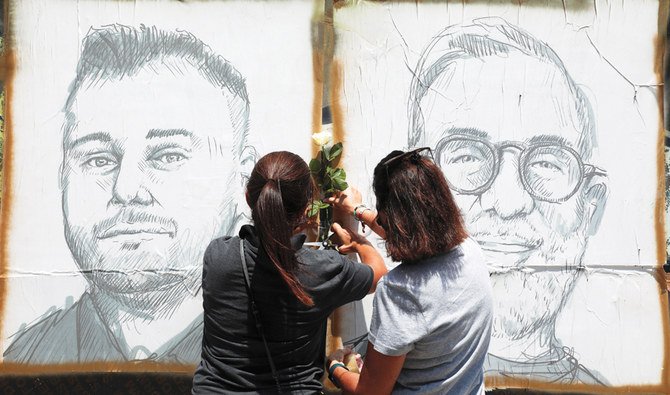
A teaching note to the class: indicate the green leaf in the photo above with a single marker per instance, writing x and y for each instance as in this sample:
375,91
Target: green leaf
337,179
314,166
327,185
340,174
340,185
313,210
335,151
315,206
325,154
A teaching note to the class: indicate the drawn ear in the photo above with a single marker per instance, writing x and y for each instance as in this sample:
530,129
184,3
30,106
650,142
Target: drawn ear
63,174
246,197
595,199
248,160
60,175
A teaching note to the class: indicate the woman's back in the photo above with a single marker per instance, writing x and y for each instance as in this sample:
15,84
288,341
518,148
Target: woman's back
234,356
438,312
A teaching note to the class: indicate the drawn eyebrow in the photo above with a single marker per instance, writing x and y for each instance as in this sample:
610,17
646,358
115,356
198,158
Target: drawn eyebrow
550,138
102,137
541,138
471,132
162,133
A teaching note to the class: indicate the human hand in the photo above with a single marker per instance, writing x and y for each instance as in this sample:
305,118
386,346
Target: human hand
346,239
339,355
354,362
345,201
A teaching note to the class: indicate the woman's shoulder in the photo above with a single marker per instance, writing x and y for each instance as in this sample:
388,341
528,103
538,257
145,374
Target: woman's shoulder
468,250
222,241
450,263
473,254
472,246
318,258
219,246
328,264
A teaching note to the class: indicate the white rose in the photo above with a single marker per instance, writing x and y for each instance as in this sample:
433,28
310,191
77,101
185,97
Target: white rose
324,137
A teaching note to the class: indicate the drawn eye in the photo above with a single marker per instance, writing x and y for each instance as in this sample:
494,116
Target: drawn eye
545,165
100,163
463,155
465,159
171,158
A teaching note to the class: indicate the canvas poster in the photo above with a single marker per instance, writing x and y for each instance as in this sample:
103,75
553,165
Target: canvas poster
545,119
131,128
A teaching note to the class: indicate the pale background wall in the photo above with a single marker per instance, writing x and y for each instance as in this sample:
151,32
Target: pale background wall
612,319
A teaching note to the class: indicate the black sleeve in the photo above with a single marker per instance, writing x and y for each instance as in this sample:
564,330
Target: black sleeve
211,272
342,280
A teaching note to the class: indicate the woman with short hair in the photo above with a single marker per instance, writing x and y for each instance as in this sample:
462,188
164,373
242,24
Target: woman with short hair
431,319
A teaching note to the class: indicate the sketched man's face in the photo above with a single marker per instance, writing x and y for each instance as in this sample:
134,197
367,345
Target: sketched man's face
148,179
511,125
525,198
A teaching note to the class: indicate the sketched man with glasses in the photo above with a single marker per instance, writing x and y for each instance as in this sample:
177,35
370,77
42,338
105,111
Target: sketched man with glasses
514,135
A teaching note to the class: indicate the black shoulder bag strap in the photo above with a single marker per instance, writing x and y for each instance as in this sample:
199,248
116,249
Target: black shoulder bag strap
257,316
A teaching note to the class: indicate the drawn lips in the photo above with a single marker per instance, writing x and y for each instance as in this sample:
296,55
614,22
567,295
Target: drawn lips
506,245
124,228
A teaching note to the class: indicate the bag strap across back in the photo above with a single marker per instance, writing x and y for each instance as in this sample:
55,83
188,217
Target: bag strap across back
257,316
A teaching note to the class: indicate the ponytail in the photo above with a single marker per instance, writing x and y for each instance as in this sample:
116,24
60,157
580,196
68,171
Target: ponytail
276,212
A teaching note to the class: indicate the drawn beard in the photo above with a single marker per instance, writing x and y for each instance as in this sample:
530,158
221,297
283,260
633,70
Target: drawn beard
528,299
135,252
529,302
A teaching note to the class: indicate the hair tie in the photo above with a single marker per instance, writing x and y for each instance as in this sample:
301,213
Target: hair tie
276,181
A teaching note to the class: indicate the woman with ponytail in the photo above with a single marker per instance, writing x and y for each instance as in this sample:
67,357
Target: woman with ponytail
269,336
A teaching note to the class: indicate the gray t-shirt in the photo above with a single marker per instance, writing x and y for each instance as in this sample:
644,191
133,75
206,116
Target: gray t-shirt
438,312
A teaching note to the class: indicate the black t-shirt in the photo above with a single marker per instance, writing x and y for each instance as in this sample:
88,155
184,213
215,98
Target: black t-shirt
233,356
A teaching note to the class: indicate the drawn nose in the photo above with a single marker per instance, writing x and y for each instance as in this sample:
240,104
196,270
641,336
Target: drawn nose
507,195
129,186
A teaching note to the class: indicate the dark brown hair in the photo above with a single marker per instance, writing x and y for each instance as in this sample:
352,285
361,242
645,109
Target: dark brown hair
278,191
416,208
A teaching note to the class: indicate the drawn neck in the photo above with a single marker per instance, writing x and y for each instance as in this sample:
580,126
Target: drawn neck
524,322
150,327
539,342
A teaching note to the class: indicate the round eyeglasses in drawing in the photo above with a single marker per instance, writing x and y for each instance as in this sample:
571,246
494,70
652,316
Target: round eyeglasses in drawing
549,171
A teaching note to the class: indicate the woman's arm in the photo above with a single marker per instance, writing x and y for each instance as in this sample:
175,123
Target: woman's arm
350,241
378,375
348,200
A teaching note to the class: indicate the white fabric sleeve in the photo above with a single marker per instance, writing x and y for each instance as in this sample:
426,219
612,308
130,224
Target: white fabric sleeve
397,321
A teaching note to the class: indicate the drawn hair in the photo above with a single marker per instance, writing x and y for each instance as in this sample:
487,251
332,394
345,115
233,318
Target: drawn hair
279,189
115,52
491,36
416,208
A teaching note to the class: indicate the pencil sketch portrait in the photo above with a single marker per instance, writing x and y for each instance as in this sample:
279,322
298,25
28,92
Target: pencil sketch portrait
514,135
153,150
